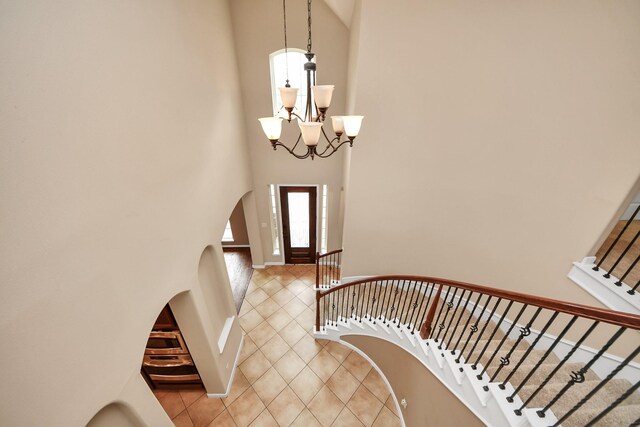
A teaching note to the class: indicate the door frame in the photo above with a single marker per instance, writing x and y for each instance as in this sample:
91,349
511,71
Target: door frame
279,214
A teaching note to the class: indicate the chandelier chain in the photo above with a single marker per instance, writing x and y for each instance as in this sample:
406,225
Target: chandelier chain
309,25
286,48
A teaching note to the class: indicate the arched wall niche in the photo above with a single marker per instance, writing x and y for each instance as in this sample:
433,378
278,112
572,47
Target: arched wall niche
201,314
116,414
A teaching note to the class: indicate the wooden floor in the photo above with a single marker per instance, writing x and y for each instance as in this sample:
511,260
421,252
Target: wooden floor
239,264
618,249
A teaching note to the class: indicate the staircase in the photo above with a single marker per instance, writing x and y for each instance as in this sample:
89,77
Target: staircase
513,359
613,275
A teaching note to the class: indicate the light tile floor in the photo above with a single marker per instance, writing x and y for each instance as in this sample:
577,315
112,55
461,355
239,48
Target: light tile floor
285,377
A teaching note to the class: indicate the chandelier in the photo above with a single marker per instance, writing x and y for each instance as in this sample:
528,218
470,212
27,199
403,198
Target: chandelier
311,122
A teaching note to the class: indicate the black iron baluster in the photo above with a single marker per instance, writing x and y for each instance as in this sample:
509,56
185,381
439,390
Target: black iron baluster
393,308
524,332
405,294
484,328
624,276
333,268
343,305
329,298
444,303
541,361
486,345
363,297
466,325
422,295
624,253
385,312
441,326
337,294
410,304
354,301
333,309
365,313
561,364
597,267
615,403
460,316
474,328
602,383
633,290
577,377
336,307
347,297
375,302
422,311
529,350
382,313
502,341
324,272
326,310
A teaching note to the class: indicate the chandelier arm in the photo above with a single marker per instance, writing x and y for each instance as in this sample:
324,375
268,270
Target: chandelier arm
297,141
295,114
299,156
322,156
329,141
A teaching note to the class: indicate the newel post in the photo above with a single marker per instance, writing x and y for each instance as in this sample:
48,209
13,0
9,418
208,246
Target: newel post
425,330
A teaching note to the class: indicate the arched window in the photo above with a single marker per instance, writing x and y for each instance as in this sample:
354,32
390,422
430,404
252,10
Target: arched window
294,60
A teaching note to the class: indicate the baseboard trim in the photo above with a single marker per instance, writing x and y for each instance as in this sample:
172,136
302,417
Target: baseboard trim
235,246
274,263
231,377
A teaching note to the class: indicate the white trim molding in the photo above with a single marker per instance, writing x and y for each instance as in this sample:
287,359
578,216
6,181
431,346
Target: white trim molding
231,377
603,289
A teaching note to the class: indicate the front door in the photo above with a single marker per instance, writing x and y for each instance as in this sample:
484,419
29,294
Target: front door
299,224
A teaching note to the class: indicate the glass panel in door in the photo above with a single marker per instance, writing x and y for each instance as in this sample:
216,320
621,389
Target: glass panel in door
299,219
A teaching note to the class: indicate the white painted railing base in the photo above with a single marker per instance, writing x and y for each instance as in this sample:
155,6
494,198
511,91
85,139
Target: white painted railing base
603,289
490,407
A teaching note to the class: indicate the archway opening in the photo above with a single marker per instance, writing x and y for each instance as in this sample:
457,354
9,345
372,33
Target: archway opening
237,254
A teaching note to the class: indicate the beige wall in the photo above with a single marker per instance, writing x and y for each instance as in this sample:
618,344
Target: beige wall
500,138
429,402
258,32
122,154
238,226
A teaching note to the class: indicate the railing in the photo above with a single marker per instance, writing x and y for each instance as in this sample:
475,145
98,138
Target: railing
505,337
328,269
621,257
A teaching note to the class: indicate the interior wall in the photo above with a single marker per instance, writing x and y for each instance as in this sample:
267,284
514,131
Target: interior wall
500,138
429,402
238,226
114,414
330,44
123,152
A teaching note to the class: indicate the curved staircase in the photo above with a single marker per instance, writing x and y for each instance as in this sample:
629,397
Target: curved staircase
513,359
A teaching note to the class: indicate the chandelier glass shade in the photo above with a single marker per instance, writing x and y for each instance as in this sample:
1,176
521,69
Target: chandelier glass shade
311,122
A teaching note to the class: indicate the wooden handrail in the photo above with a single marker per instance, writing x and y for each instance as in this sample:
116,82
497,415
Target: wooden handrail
329,253
612,317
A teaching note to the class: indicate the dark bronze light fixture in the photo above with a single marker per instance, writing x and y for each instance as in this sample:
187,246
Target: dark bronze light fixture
311,125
